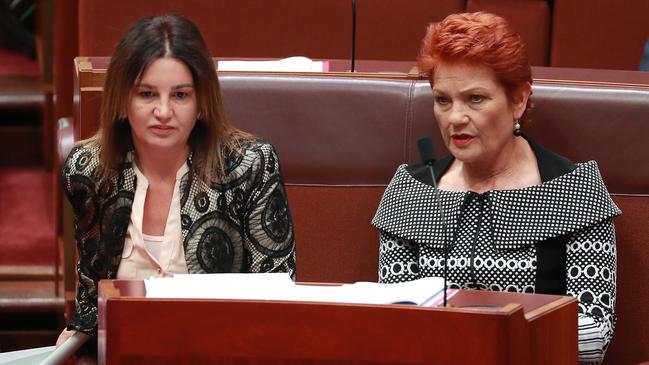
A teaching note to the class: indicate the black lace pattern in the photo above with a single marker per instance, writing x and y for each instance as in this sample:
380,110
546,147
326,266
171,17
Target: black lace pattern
239,223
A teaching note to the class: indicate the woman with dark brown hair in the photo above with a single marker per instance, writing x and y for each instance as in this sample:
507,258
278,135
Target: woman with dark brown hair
167,185
514,216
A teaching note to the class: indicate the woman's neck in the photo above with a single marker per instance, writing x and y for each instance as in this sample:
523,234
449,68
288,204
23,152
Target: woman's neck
514,167
160,164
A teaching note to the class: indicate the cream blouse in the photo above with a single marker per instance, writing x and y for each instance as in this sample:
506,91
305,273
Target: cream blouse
140,262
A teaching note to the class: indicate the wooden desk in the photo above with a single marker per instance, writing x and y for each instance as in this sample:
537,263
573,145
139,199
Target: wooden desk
135,330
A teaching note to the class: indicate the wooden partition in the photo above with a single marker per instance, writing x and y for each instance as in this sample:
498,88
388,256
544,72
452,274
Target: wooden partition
483,327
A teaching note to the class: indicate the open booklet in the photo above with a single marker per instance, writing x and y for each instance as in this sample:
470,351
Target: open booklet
280,287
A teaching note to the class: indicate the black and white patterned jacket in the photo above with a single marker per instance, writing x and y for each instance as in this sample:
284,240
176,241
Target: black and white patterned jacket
556,237
240,223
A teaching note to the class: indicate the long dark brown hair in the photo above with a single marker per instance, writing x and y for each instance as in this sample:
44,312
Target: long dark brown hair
146,41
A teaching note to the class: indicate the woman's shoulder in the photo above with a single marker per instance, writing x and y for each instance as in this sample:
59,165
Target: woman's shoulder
256,146
421,172
408,208
254,151
585,176
250,161
83,159
78,171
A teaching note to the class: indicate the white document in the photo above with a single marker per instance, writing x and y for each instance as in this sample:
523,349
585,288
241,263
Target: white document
217,286
411,292
280,287
26,357
291,64
66,350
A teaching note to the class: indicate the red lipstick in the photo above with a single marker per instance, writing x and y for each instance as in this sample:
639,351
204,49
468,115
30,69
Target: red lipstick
461,139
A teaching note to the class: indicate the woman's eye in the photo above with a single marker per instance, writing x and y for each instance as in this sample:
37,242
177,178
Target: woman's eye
180,95
477,98
145,94
441,100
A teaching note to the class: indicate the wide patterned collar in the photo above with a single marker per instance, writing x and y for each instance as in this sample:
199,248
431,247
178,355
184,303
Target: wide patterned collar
519,217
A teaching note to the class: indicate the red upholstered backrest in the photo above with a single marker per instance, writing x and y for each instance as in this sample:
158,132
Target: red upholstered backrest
328,130
335,242
339,141
630,343
608,124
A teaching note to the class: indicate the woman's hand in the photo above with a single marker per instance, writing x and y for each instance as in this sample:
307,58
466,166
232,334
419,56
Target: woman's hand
64,337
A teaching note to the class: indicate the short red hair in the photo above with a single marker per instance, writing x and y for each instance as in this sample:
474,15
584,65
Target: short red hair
482,38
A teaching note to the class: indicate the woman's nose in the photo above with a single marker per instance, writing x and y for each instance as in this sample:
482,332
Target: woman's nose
457,114
162,110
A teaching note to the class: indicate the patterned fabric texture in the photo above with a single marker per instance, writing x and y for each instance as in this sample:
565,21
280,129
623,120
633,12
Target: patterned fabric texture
240,223
494,241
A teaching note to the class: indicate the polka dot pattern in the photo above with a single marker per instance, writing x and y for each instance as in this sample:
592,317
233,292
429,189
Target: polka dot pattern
492,239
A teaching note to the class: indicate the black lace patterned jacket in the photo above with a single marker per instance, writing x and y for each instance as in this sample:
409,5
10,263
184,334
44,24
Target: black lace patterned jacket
238,224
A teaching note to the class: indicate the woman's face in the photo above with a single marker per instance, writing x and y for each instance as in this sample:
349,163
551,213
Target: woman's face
162,108
474,115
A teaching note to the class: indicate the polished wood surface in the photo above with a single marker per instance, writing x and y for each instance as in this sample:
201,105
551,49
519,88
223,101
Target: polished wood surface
133,329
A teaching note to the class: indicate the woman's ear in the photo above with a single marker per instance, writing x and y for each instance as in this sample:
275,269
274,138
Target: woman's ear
520,99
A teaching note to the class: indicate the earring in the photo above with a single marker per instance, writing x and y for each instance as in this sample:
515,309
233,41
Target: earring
517,128
199,116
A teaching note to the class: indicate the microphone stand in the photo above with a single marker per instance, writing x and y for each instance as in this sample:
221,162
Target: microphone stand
427,153
353,68
441,213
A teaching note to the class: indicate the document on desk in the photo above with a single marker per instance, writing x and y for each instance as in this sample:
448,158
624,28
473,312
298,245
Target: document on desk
416,292
49,355
26,357
217,286
291,64
281,287
66,350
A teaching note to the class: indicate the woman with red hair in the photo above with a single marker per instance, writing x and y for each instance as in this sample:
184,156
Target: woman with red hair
514,216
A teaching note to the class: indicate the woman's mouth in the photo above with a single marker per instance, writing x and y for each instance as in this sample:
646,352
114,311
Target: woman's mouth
461,139
161,129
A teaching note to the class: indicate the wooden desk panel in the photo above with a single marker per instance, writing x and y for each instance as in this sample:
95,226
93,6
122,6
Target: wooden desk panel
134,329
